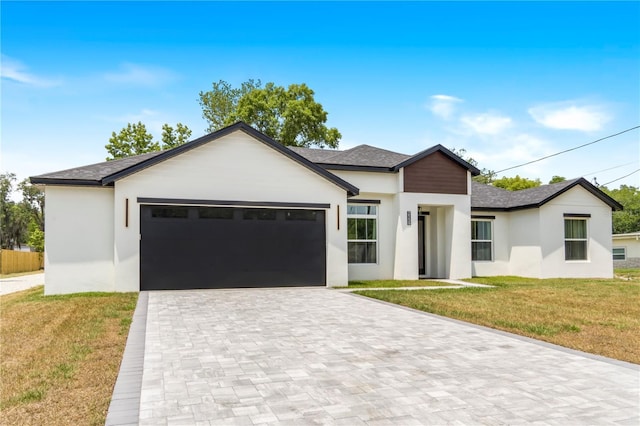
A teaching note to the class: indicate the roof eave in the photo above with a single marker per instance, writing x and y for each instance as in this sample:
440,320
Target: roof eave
354,168
36,180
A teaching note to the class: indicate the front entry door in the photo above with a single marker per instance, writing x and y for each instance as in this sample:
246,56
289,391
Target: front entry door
421,246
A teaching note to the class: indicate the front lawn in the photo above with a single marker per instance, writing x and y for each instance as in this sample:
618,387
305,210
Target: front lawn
596,316
629,274
60,355
397,283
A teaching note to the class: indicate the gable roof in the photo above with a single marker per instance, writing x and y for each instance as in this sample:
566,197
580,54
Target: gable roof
106,173
370,158
489,197
419,156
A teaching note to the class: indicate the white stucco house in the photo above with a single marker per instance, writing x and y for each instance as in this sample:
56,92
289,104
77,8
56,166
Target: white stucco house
626,250
235,209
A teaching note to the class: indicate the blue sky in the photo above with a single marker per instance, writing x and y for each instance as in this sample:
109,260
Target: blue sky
508,82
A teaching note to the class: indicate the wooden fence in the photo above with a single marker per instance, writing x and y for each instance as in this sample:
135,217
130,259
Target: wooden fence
20,261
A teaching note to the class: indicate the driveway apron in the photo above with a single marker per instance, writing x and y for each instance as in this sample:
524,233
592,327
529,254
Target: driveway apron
317,356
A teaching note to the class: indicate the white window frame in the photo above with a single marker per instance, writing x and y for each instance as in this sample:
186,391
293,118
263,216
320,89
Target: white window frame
624,253
585,219
373,216
490,240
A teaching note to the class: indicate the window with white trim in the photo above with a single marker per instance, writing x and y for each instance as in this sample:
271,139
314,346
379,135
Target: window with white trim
619,253
362,233
481,239
575,238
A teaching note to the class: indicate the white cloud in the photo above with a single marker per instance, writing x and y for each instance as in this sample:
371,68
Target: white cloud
138,75
443,106
569,116
11,69
489,123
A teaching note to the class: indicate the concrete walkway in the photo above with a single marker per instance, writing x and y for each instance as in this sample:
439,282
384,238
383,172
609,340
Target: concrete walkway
315,356
452,284
11,285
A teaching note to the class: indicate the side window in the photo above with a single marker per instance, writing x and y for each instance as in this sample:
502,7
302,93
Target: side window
481,240
362,233
575,238
619,253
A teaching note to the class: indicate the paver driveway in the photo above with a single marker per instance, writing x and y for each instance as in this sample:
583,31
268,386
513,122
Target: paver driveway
314,356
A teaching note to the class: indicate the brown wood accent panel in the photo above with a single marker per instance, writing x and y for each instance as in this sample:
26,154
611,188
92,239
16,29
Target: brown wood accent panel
435,173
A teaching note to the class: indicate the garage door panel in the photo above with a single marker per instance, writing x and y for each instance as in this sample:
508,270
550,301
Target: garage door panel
231,247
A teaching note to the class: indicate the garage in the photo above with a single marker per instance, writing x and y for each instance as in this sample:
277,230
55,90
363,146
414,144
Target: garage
195,247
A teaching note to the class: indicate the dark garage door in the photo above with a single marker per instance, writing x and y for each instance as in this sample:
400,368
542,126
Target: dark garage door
186,247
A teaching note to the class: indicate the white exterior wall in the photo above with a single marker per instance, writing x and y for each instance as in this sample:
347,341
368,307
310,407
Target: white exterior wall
371,182
235,167
525,229
383,269
383,187
78,239
501,247
599,263
530,243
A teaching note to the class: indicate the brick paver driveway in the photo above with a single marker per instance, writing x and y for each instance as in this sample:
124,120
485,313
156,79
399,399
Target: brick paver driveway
318,356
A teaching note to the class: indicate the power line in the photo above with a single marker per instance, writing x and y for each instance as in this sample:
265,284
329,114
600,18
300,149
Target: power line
615,180
610,168
567,150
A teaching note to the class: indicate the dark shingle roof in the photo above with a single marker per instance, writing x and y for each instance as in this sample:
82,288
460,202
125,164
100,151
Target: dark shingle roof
108,172
488,197
93,172
360,156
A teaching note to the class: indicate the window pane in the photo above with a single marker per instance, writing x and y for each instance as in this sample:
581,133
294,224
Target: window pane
351,209
309,215
481,251
480,230
371,229
619,253
170,212
362,252
371,209
215,213
361,229
575,228
371,253
575,250
259,214
351,229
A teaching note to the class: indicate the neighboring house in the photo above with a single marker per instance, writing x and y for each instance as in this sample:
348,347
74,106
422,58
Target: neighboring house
235,208
626,250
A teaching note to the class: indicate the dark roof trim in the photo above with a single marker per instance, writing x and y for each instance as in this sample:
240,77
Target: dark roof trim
66,182
357,168
592,189
419,156
482,217
361,201
351,190
188,201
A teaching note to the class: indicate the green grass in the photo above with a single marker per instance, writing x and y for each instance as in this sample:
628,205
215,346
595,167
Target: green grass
597,316
632,274
396,283
60,355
